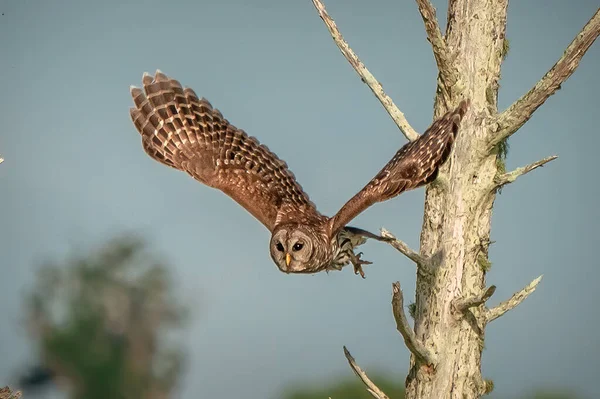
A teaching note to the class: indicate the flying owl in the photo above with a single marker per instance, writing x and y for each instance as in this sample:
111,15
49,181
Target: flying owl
185,132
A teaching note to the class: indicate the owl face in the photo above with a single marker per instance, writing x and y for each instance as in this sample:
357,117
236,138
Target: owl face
294,249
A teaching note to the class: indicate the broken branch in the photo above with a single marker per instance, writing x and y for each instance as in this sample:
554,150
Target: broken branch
401,246
513,302
422,354
510,177
521,110
463,304
448,73
371,387
365,75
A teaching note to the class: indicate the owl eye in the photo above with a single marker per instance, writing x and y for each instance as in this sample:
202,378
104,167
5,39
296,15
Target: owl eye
279,247
297,246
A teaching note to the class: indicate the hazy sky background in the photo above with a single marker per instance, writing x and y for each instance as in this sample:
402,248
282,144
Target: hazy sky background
75,174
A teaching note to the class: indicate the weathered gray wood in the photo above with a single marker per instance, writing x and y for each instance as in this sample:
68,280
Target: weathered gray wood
458,215
450,318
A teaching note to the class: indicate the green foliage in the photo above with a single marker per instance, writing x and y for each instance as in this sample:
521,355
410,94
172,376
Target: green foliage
347,388
99,321
484,262
505,48
84,353
353,388
489,387
501,151
553,394
489,95
501,154
412,309
500,165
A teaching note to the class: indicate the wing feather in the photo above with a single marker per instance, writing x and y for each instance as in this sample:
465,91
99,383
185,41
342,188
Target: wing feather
414,165
184,132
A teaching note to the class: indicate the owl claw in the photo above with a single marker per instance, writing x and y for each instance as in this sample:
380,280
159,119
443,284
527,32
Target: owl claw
357,262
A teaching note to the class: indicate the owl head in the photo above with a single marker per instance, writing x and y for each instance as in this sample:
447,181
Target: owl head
298,249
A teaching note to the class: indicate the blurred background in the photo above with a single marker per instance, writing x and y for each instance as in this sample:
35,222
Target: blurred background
122,278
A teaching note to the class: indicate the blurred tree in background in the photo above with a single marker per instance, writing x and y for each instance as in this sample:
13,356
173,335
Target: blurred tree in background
101,323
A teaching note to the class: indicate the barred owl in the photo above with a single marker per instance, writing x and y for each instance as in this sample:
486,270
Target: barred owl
185,132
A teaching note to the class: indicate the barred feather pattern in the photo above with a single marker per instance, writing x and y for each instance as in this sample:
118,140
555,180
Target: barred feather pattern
184,132
414,165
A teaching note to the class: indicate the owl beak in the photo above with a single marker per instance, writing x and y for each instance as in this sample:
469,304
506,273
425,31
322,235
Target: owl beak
288,259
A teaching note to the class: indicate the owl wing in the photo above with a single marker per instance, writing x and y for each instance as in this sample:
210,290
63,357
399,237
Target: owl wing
414,165
186,133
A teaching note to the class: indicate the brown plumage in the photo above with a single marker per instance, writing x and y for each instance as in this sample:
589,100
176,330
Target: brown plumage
184,132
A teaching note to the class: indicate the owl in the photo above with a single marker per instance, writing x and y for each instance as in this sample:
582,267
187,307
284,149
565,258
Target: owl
185,132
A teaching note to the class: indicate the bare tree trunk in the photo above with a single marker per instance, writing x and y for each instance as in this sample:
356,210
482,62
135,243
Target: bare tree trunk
450,313
456,224
457,219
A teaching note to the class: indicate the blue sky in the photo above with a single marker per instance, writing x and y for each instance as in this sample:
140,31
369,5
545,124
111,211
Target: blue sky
75,174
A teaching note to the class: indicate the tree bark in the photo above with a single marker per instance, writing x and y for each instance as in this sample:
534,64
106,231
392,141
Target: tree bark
450,312
457,219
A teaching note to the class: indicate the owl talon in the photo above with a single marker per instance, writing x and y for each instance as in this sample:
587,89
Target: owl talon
358,270
357,262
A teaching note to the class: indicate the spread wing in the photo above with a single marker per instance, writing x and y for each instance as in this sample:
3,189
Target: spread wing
186,133
414,165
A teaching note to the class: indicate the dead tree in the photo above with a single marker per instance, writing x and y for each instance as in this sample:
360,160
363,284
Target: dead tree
450,312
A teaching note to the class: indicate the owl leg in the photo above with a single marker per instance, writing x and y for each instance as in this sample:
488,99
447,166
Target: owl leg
357,262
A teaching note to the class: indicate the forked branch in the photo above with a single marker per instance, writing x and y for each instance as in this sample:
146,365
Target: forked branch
510,177
416,347
464,304
521,110
513,302
371,387
448,73
365,75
